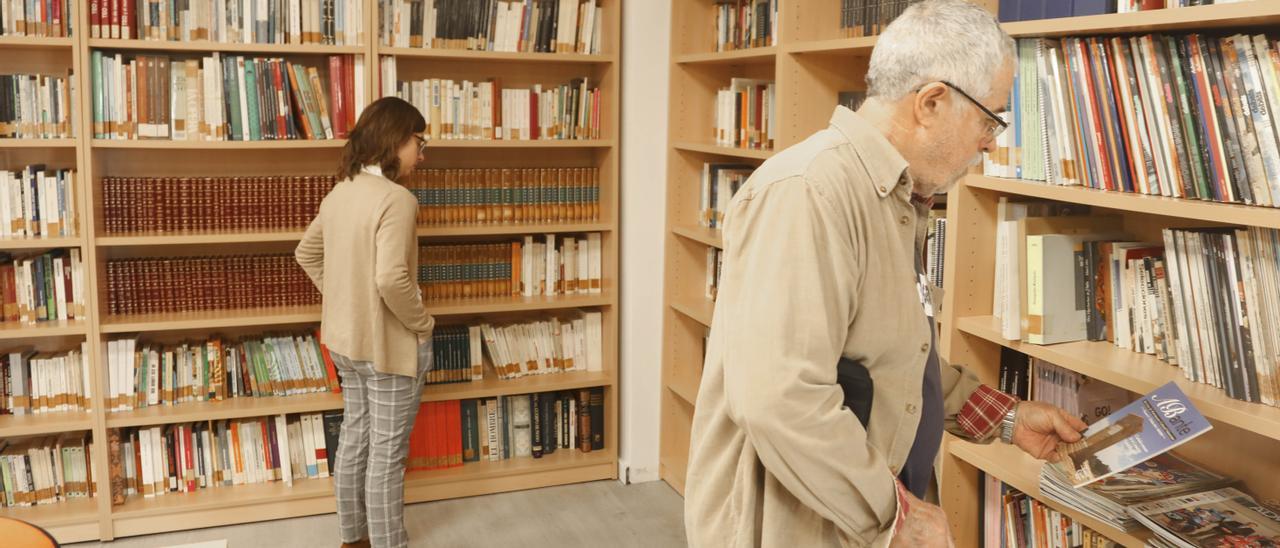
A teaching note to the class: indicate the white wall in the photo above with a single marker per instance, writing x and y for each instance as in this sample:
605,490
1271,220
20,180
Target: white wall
646,39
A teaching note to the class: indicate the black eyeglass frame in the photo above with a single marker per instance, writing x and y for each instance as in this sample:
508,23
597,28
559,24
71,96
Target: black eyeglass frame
1000,123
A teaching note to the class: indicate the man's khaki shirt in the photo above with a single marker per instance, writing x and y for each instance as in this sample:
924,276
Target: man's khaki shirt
818,264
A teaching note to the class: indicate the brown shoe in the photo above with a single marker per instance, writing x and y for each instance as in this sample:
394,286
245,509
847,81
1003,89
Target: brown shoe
357,544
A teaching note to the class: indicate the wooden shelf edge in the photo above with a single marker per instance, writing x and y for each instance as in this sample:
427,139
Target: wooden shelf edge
45,423
43,42
1216,212
689,394
11,331
747,55
861,45
747,153
520,143
212,238
237,318
228,47
41,243
1169,19
499,230
37,143
1011,466
474,55
79,511
1134,372
161,144
702,312
700,234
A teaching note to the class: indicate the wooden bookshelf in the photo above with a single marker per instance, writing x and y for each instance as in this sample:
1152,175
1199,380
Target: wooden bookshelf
96,519
812,62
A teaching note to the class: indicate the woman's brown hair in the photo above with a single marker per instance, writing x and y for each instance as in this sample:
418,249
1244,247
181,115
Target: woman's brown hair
382,129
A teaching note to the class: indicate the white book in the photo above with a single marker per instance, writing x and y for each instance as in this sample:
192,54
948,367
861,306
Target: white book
569,255
595,348
552,267
594,247
309,447
59,290
282,446
317,423
148,457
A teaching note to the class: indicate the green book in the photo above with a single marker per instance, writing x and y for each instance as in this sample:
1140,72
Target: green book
95,66
251,99
231,89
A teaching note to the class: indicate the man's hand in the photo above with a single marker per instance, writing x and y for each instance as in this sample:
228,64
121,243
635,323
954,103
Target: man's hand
924,526
1040,427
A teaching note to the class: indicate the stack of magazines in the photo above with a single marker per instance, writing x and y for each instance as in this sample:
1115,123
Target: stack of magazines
1107,500
1224,517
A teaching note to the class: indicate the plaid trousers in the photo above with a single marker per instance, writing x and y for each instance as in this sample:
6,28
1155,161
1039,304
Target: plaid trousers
378,414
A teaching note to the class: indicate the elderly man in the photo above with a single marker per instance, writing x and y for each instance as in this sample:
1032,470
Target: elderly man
823,401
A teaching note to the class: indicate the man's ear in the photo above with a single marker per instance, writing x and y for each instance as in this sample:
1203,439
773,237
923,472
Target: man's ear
928,103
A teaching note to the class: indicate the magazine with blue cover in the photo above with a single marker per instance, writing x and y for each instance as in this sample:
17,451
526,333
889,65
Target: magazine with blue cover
1150,426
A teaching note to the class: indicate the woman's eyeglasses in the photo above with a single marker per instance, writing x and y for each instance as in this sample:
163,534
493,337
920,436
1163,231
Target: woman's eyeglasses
422,143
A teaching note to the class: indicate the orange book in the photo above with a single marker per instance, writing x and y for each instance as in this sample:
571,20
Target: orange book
235,452
440,435
516,264
335,385
455,433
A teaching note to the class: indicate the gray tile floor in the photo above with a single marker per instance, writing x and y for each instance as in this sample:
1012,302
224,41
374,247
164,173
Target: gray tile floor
602,513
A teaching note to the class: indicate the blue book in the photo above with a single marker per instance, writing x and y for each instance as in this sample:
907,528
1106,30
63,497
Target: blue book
1054,9
1093,7
1009,11
1133,434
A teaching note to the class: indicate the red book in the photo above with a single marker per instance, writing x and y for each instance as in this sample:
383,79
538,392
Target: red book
57,19
95,19
9,284
188,463
441,416
125,14
330,369
337,114
268,449
349,78
281,93
70,293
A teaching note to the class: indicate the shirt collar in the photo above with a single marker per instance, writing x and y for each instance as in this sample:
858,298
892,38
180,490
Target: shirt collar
885,166
372,169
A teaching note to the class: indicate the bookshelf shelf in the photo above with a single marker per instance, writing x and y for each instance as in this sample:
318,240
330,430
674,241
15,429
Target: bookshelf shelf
517,304
560,460
723,151
861,45
1194,19
511,229
700,310
36,42
513,143
60,328
504,56
1022,472
205,46
1134,372
37,143
700,234
1138,203
210,320
73,520
492,386
684,389
40,243
223,497
198,239
44,423
159,144
733,57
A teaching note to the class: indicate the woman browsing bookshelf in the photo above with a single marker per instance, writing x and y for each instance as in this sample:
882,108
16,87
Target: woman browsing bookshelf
372,318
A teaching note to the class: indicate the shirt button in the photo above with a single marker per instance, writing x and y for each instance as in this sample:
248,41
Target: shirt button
883,190
904,220
911,408
924,347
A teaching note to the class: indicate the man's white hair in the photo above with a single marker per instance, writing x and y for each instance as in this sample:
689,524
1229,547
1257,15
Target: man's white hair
935,40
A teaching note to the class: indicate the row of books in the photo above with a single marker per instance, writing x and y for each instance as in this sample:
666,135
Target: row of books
172,205
44,470
37,106
183,458
466,110
745,114
1199,299
335,22
870,17
1038,380
50,18
143,374
719,183
223,98
1011,518
935,247
43,287
38,202
550,26
1189,116
715,267
744,24
192,284
505,195
550,265
527,425
34,383
569,343
1030,10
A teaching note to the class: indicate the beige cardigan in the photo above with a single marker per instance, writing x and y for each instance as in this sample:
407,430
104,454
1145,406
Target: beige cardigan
372,307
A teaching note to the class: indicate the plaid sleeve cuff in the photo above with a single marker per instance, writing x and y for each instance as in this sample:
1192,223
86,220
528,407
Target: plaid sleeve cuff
983,410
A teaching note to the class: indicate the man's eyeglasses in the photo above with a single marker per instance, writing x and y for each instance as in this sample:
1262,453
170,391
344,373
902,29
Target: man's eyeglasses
995,125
